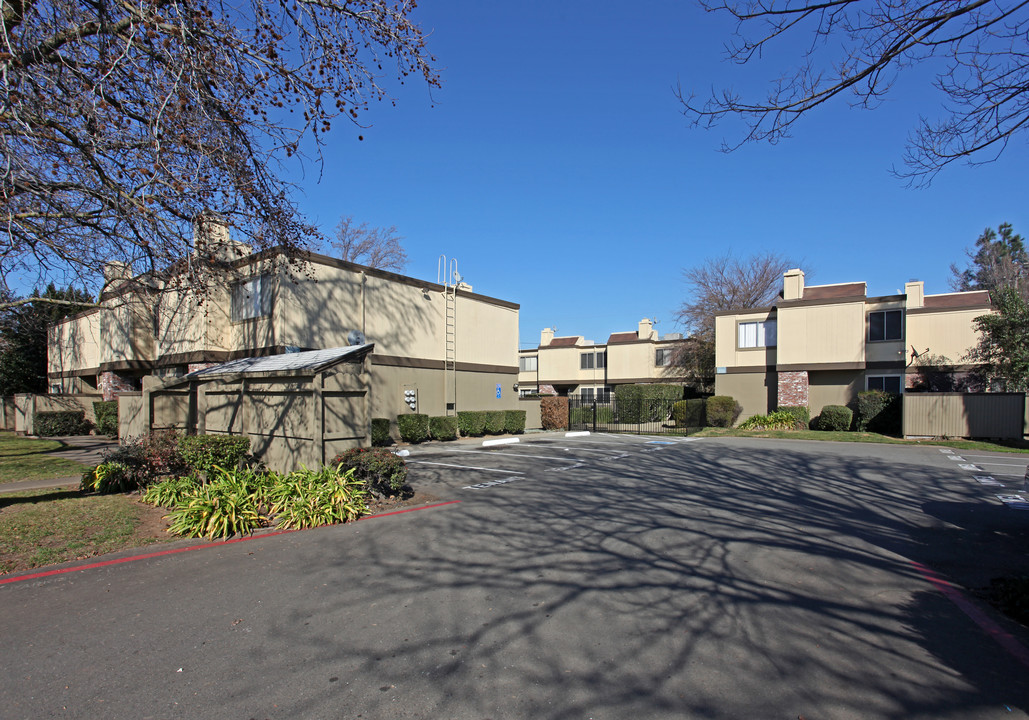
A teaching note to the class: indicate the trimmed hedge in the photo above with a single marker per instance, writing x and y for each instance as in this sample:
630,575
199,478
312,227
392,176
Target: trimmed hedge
554,412
689,413
414,428
384,472
641,403
471,423
722,411
835,417
442,427
61,422
879,412
204,453
106,417
514,421
584,415
494,421
380,432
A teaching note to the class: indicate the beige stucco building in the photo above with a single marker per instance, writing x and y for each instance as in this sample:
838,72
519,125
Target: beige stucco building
571,365
821,345
453,348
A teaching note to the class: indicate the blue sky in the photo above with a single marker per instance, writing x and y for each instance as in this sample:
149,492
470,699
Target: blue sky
556,166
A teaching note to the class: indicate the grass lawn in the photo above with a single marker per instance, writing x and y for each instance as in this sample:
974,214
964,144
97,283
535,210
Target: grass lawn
1009,446
24,458
43,527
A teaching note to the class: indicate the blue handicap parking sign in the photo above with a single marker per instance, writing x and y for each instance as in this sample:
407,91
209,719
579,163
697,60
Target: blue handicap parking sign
498,391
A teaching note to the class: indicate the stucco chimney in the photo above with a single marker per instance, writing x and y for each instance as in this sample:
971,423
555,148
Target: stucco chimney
646,331
915,291
793,284
546,336
212,239
117,270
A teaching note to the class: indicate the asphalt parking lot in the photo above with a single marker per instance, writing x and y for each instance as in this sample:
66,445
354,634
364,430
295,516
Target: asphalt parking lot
568,577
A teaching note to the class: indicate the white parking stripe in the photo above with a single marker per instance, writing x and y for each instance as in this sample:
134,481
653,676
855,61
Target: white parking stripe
465,467
1018,465
559,458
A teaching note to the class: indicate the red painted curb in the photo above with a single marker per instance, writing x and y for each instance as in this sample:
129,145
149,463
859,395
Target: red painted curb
220,543
1003,638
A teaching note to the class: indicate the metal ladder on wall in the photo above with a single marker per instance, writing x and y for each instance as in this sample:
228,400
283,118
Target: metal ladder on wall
448,277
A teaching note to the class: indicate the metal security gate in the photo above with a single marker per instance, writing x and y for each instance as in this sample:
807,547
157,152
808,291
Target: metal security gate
634,417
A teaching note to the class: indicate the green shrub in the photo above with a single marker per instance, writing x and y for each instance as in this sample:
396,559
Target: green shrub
224,507
384,472
514,421
494,422
778,420
800,412
554,412
689,413
835,417
107,478
471,423
380,432
443,428
169,493
646,403
204,453
414,427
106,417
879,412
61,422
307,498
722,411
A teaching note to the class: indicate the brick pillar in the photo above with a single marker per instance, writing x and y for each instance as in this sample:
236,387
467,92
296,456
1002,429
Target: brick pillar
793,388
111,384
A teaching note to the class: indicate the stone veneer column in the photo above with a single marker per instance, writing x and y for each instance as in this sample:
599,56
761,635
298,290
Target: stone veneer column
793,388
111,383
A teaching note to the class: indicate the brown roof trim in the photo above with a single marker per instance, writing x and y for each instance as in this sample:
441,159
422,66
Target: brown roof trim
814,367
749,311
885,365
925,310
84,372
747,369
886,298
76,316
127,365
426,364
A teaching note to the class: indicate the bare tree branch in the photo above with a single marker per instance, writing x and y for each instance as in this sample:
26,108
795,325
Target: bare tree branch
374,247
858,49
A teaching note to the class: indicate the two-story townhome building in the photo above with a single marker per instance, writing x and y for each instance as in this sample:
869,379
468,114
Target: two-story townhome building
452,348
821,345
571,365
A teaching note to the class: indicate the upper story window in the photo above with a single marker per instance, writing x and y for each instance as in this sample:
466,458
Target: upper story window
602,359
885,325
586,361
886,383
757,334
663,357
252,299
528,363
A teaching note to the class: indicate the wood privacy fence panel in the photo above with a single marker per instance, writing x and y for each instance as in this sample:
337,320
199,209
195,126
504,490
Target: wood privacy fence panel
23,408
972,415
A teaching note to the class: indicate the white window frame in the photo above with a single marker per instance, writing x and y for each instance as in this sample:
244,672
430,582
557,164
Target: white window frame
900,381
883,313
525,361
252,298
756,334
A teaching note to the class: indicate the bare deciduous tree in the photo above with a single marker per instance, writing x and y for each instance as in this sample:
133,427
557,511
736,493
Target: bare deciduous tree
374,247
858,49
123,124
722,283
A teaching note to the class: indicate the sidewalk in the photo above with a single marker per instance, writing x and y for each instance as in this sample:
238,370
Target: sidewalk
87,449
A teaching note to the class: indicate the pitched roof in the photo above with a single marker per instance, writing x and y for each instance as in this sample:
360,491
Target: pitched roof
564,341
976,298
310,362
832,292
622,337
